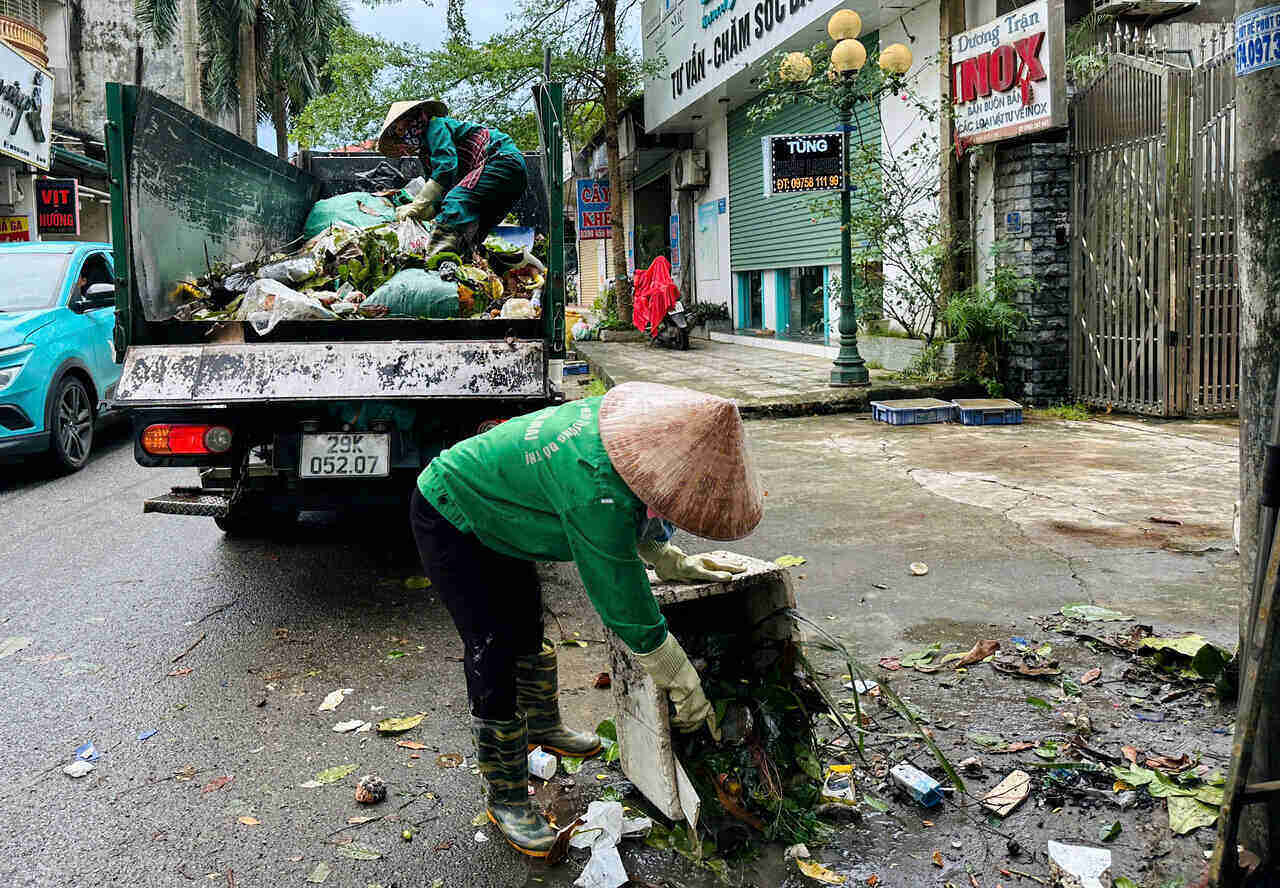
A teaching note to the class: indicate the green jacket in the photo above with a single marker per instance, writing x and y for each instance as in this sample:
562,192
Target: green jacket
541,487
449,153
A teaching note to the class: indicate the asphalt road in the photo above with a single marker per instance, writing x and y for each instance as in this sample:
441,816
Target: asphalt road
1013,523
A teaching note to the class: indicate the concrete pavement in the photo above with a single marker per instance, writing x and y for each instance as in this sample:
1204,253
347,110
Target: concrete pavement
1013,522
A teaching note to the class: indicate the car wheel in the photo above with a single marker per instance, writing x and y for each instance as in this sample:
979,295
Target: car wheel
72,427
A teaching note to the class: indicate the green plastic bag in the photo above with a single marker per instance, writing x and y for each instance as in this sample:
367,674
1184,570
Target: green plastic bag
357,208
416,293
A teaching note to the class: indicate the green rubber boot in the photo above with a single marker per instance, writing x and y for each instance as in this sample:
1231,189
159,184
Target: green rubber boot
502,750
538,695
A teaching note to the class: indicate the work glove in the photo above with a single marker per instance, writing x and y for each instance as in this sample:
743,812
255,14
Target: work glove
425,206
669,667
672,565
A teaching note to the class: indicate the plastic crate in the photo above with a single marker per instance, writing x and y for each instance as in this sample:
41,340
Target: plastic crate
913,411
576,368
988,411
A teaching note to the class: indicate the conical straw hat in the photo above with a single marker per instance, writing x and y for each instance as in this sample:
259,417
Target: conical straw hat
427,107
685,455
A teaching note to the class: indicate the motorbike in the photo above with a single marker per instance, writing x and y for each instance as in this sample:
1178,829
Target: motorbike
673,329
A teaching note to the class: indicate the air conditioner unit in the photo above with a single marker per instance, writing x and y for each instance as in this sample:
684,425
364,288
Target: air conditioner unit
689,169
9,185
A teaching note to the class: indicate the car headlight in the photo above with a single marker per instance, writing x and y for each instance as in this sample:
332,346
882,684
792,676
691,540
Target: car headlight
8,375
11,361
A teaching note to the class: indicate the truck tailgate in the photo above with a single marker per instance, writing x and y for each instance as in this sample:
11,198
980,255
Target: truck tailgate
172,375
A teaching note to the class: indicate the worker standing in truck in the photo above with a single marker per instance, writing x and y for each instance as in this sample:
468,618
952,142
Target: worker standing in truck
600,482
475,174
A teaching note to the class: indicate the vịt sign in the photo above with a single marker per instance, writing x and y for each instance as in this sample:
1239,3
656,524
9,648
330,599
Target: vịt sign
26,108
1008,77
57,206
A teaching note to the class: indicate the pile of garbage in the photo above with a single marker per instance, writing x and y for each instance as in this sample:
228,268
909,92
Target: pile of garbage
355,260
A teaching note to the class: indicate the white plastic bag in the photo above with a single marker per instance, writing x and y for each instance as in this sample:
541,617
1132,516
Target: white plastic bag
290,271
412,236
518,308
269,302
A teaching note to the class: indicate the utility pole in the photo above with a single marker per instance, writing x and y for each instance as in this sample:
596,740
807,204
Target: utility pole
191,56
247,81
1257,142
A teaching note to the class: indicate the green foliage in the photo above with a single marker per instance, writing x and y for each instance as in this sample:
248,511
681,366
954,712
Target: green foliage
1076,412
596,388
986,315
1086,58
928,365
377,264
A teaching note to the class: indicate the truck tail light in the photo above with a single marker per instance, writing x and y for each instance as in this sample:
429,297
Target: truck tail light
165,439
488,425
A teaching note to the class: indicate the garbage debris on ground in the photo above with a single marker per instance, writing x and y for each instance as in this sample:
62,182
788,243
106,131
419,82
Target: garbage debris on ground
78,768
318,873
13,644
542,764
917,784
819,873
1078,866
1008,794
370,790
794,852
333,698
355,260
87,752
600,830
919,568
400,725
346,727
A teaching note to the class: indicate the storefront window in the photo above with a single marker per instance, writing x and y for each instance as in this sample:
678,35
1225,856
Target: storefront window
750,300
807,294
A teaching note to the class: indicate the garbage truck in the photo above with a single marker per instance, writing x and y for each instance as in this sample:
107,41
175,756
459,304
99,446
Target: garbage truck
321,414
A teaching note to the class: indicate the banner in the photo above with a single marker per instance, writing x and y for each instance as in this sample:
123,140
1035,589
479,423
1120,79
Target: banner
1008,77
14,229
26,109
595,219
57,206
803,162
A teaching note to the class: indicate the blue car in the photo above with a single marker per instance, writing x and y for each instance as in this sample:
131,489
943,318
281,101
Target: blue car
57,368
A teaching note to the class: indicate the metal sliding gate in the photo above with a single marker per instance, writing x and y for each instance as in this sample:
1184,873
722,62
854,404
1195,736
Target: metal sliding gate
1155,301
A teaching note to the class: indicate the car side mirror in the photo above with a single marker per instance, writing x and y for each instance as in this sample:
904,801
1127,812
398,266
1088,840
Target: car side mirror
96,296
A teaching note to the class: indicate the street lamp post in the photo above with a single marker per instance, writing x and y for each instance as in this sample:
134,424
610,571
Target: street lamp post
847,58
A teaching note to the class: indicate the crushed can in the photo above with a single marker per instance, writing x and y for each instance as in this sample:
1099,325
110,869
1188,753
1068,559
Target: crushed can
542,764
837,785
919,785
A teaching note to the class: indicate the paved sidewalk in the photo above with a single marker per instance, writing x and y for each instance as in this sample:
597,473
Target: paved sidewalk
764,382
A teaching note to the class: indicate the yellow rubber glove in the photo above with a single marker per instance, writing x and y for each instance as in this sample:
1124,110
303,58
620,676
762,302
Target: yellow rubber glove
425,206
673,565
669,667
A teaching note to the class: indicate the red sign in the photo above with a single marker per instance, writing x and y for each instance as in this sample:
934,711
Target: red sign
595,216
57,206
14,230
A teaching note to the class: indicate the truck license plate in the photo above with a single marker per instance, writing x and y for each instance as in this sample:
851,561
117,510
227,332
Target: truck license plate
345,456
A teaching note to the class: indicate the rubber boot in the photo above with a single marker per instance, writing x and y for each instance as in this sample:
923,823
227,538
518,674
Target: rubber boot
502,750
443,245
538,695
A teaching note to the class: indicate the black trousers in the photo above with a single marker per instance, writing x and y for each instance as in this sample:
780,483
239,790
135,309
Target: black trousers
495,601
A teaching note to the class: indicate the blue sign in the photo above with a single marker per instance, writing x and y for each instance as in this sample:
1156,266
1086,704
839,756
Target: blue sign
1257,40
595,221
1013,223
721,207
674,240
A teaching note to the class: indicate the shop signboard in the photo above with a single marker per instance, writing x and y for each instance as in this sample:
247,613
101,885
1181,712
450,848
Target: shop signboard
803,162
706,260
1257,40
57,206
1008,76
595,220
673,238
703,44
14,229
26,109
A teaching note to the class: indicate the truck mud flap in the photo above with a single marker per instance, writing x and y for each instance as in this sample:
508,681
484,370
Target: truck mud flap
168,375
200,502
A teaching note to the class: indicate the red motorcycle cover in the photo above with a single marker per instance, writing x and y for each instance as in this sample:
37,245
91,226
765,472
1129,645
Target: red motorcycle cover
655,294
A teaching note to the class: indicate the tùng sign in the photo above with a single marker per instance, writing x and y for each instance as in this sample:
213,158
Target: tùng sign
1008,77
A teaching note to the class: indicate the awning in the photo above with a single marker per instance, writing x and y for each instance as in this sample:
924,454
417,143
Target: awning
80,162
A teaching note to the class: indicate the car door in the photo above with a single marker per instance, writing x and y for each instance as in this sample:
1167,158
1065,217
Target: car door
99,322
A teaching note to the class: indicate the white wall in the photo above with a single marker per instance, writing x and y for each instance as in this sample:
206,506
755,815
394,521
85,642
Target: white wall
715,285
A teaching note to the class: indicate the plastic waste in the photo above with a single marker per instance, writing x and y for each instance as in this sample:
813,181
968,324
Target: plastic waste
919,785
78,768
518,308
290,271
412,236
542,764
837,785
416,293
603,870
383,177
580,330
357,208
268,302
87,752
1078,866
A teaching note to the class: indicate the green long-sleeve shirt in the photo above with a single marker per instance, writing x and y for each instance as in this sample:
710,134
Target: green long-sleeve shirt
454,148
541,487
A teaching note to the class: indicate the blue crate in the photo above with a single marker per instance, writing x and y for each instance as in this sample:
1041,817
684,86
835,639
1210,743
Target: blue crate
988,411
913,411
575,368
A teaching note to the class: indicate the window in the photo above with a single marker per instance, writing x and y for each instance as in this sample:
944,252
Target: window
750,300
807,295
95,270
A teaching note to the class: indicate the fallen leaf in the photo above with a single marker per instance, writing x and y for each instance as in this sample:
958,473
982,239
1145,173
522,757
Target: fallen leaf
890,663
573,642
603,680
334,774
1172,521
217,783
410,744
396,655
333,698
1187,814
360,851
874,803
353,821
347,726
181,670
400,725
1091,676
571,765
789,561
13,644
1165,763
449,760
937,859
417,583
873,880
922,656
979,652
1039,703
1017,746
1027,665
820,873
320,873
1108,831
248,821
1093,612
187,773
480,819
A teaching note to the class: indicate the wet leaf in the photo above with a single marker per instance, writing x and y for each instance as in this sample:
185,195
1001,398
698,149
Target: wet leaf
1048,750
820,873
449,760
1211,795
480,819
789,561
920,657
334,774
1165,763
893,664
607,730
333,698
979,652
248,821
410,744
359,851
1108,831
573,642
400,725
1093,613
1071,688
217,783
1187,814
1091,676
874,803
1125,882
1040,703
319,873
1130,754
1134,775
1172,654
417,583
396,655
571,765
937,859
